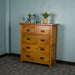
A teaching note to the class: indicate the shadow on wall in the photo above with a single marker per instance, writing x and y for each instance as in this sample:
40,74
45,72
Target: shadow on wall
60,38
52,20
60,42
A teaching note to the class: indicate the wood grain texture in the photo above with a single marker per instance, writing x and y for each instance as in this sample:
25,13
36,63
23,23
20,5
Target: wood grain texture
21,59
39,43
38,57
55,45
44,30
35,39
38,24
44,49
28,38
29,29
50,50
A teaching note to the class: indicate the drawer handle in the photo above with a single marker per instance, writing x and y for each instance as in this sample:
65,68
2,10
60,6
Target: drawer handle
28,38
28,47
42,40
28,55
28,30
42,30
41,57
42,49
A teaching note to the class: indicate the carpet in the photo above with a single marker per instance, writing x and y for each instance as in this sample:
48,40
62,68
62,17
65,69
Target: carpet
10,65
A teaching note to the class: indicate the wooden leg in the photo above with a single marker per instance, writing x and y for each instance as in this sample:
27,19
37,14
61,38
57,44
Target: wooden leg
21,60
54,62
50,66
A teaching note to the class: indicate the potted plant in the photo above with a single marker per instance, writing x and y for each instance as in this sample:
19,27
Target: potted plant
23,19
45,15
29,17
33,18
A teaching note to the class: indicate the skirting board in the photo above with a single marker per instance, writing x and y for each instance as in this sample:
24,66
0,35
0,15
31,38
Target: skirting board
3,55
57,61
10,54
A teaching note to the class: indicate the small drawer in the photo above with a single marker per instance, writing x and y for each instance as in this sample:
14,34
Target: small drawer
28,29
43,49
27,57
42,40
28,47
28,38
44,30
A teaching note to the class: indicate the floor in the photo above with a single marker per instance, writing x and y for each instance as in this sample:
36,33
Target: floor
10,65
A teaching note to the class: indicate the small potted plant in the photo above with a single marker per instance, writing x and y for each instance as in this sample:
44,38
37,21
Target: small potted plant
33,18
23,19
29,17
45,15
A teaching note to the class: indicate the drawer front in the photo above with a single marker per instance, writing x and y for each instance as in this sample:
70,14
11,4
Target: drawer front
29,47
43,49
28,39
36,39
28,29
42,40
44,30
36,57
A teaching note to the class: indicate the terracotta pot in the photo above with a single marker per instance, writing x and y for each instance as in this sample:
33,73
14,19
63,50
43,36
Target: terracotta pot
45,21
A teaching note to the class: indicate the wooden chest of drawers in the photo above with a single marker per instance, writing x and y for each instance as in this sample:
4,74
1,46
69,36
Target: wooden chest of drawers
38,43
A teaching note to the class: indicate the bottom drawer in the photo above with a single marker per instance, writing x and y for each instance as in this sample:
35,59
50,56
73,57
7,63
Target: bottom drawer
37,58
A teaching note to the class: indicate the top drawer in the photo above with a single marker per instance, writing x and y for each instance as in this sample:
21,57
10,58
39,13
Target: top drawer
44,30
28,29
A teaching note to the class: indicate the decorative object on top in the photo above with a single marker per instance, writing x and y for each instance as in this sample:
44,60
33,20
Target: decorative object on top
31,18
23,20
45,15
38,21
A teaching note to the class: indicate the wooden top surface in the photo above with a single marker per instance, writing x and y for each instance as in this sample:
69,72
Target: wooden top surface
38,24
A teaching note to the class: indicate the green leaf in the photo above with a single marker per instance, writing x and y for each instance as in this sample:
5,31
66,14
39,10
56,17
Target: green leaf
23,18
29,15
46,15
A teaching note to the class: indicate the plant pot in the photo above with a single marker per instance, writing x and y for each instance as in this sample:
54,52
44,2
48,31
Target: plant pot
32,21
45,21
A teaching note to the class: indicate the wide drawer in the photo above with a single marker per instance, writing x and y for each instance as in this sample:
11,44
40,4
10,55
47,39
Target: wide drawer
28,48
44,30
36,39
36,57
28,29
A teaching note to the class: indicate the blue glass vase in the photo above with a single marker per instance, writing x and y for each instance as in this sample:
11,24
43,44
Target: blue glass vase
32,21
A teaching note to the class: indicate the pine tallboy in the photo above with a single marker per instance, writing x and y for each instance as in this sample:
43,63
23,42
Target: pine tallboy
39,43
